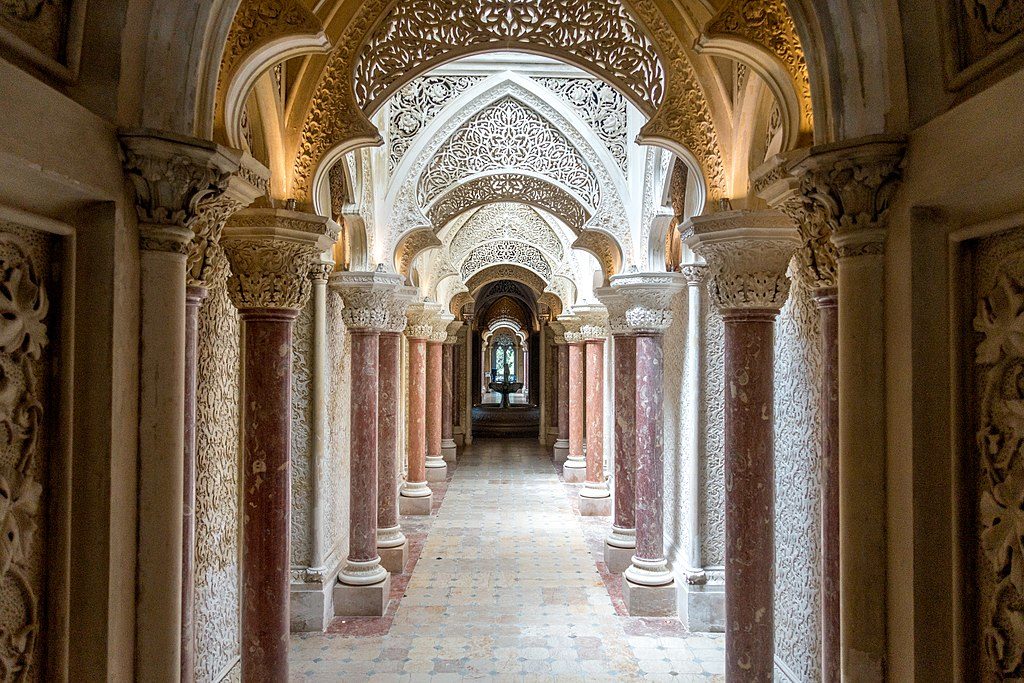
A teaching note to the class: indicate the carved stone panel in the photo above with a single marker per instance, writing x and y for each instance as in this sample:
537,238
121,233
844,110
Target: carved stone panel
46,32
981,33
28,301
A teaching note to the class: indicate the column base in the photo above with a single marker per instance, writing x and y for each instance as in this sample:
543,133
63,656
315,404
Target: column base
595,507
415,505
649,601
449,451
574,470
617,559
395,558
362,601
437,468
560,452
701,600
311,600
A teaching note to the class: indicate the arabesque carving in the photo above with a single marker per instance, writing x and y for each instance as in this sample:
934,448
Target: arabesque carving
413,107
506,251
601,106
505,221
509,187
506,272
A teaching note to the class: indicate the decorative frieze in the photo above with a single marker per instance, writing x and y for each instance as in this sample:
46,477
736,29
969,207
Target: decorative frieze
422,318
271,252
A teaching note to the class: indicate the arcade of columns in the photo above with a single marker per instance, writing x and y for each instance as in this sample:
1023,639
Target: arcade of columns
835,196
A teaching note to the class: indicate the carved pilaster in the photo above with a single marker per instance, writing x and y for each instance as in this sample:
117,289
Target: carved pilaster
171,174
271,252
748,254
206,264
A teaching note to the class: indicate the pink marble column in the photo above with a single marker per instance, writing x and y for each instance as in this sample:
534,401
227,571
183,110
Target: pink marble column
562,443
415,485
266,492
623,534
363,565
194,296
448,449
828,310
596,485
436,467
575,467
389,531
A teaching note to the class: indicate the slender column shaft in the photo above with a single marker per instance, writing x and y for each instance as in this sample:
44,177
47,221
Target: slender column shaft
389,532
363,565
446,392
750,494
318,410
417,438
434,404
624,524
576,398
828,311
650,465
194,297
595,418
266,489
563,392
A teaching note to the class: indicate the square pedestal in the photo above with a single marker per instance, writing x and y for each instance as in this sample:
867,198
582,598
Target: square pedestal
437,473
362,601
595,507
394,559
560,453
574,475
450,454
648,601
702,607
311,606
415,506
618,559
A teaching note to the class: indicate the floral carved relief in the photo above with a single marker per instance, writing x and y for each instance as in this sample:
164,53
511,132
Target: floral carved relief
415,105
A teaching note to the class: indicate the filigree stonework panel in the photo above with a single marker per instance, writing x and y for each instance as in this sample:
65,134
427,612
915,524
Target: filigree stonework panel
508,134
601,34
712,473
505,222
509,187
798,372
601,106
217,440
502,252
415,105
25,364
302,442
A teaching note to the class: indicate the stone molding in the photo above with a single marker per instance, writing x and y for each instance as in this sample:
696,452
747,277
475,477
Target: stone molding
571,326
370,300
206,263
695,274
593,321
647,299
421,316
616,307
452,332
271,252
748,254
853,184
441,323
171,174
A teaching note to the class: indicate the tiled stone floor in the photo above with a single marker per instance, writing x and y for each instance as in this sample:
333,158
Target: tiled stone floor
505,588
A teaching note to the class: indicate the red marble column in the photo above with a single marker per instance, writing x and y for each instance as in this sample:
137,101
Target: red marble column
436,468
448,399
623,533
563,395
415,485
389,531
750,494
363,565
266,492
596,486
194,296
576,463
828,310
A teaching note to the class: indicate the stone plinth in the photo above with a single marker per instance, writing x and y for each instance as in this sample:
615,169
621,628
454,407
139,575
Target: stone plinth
362,601
618,559
649,601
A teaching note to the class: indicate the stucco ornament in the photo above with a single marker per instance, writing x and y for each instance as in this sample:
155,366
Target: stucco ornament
415,104
1000,437
423,319
505,221
370,299
505,251
601,106
509,187
647,299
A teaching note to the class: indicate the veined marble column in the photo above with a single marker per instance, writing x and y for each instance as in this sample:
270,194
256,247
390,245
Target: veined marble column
852,184
574,469
415,496
370,308
595,497
436,467
270,252
620,544
561,449
171,174
748,254
448,449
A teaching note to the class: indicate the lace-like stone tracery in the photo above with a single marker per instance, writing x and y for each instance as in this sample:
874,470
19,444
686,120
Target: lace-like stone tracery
506,251
504,135
413,107
600,105
506,187
505,222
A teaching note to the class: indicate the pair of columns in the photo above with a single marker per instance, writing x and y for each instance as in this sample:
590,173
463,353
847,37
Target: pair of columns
432,334
560,450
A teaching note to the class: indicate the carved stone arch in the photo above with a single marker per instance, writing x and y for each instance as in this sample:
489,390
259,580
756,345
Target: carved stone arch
504,222
681,118
506,251
535,190
458,302
604,248
507,272
551,300
411,246
263,34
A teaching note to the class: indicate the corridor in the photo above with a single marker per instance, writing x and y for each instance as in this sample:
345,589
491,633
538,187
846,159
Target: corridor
505,588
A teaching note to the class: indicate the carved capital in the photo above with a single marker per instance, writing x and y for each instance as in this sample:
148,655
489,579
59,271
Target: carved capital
206,263
647,299
694,273
271,252
854,183
422,317
372,300
571,325
171,174
748,253
593,321
616,307
557,332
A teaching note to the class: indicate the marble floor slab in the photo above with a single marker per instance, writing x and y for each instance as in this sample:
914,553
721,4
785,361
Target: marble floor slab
506,586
